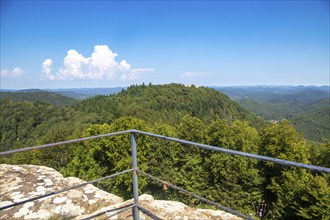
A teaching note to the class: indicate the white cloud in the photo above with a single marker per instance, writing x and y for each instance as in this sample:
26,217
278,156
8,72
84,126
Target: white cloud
16,72
46,69
191,75
101,65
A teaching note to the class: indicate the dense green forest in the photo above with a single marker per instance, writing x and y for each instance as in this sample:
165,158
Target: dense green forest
167,104
39,96
306,107
25,124
196,114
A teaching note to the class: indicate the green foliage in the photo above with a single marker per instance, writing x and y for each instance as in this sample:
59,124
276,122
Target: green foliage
307,107
191,162
315,201
235,181
24,124
300,195
166,104
315,124
320,153
163,158
289,189
39,97
105,156
284,142
195,114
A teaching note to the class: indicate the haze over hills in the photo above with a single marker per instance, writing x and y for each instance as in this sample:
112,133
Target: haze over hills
37,95
275,93
76,93
28,112
306,107
257,93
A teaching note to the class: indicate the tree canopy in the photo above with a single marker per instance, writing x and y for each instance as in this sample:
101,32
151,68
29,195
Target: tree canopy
196,114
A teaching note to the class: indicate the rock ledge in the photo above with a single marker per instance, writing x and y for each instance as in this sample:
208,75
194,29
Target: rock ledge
20,182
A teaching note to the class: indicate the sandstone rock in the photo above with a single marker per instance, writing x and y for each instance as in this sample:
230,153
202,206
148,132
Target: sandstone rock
164,210
58,200
20,182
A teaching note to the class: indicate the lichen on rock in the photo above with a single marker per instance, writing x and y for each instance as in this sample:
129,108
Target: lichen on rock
20,182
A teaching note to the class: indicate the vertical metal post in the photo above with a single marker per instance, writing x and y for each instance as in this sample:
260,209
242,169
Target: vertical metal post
135,178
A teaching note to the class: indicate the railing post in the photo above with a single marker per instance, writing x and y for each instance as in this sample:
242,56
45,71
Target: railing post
135,178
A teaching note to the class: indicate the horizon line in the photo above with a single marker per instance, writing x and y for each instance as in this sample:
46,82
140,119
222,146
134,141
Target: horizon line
209,86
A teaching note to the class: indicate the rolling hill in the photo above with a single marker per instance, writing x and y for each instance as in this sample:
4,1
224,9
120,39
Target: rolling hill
84,93
39,96
168,104
306,107
315,122
168,109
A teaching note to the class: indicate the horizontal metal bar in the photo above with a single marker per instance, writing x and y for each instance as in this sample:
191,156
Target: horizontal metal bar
121,209
204,146
65,189
65,142
148,213
116,213
196,196
239,153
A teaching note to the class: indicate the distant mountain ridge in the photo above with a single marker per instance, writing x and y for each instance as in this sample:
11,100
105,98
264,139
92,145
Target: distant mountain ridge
40,96
83,93
257,93
274,93
307,107
76,93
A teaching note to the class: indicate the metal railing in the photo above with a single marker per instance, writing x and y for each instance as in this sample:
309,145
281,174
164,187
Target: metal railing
135,206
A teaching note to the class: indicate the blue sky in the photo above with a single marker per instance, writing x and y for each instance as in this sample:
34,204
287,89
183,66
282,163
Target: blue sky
72,44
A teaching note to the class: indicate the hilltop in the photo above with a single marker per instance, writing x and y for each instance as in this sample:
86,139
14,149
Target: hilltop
74,93
31,116
167,104
306,107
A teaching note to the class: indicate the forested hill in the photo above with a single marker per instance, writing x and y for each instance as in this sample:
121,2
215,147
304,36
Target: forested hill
24,123
196,114
306,107
167,104
315,122
39,96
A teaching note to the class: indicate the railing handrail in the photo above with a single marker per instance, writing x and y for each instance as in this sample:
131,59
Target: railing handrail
66,142
136,170
204,146
240,153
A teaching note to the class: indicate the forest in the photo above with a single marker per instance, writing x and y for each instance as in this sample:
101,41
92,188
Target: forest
306,107
192,113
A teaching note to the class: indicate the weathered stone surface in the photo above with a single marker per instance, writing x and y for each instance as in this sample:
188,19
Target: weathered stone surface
20,182
164,210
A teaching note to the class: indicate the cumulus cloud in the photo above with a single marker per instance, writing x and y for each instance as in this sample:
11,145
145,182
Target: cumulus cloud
101,65
16,72
46,69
